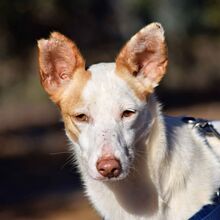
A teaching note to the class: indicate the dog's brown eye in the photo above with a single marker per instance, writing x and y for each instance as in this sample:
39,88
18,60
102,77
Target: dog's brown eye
127,113
81,118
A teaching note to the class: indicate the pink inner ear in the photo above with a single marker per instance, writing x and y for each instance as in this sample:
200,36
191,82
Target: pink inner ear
153,64
58,58
58,61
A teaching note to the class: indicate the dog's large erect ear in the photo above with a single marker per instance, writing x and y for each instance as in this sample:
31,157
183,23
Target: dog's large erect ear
145,56
59,59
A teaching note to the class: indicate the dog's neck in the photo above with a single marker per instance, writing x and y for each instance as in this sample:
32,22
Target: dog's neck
138,192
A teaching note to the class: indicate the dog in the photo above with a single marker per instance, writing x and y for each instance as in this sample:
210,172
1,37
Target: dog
135,163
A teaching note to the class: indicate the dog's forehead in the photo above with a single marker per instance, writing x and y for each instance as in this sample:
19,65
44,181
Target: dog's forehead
102,68
103,77
106,86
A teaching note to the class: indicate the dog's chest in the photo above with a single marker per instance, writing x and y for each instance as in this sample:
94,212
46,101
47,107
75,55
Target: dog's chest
130,202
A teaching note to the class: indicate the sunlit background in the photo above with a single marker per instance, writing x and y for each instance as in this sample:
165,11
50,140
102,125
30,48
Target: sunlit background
37,177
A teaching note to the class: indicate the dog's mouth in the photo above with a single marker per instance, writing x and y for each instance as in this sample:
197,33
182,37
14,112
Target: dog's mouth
110,178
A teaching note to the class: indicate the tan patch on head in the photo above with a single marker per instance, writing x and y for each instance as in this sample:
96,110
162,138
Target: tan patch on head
71,128
71,99
144,57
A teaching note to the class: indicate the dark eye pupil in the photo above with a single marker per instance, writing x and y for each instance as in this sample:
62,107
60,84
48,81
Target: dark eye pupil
81,117
127,113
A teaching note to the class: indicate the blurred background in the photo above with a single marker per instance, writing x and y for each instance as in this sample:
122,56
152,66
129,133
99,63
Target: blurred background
37,177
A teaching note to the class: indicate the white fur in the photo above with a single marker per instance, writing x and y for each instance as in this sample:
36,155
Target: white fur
168,169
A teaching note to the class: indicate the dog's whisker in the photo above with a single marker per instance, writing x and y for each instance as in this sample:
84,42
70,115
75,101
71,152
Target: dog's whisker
69,160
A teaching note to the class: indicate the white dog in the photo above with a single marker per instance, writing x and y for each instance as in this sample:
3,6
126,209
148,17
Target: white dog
136,164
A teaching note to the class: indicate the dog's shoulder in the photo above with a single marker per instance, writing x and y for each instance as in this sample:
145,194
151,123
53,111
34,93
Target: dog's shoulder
190,128
178,133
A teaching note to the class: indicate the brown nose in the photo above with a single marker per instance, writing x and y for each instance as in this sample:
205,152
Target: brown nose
109,167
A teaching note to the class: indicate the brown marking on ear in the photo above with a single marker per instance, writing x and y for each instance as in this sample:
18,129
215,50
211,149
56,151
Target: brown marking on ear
138,88
59,59
72,96
144,57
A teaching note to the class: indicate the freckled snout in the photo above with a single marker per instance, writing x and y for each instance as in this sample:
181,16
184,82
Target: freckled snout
109,167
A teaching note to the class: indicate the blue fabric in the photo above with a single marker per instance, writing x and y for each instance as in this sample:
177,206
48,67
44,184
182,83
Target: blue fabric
208,212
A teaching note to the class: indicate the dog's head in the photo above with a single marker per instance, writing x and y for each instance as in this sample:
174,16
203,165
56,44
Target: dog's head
105,108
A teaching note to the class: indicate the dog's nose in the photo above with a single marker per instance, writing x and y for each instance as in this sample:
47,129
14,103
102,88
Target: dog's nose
109,167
